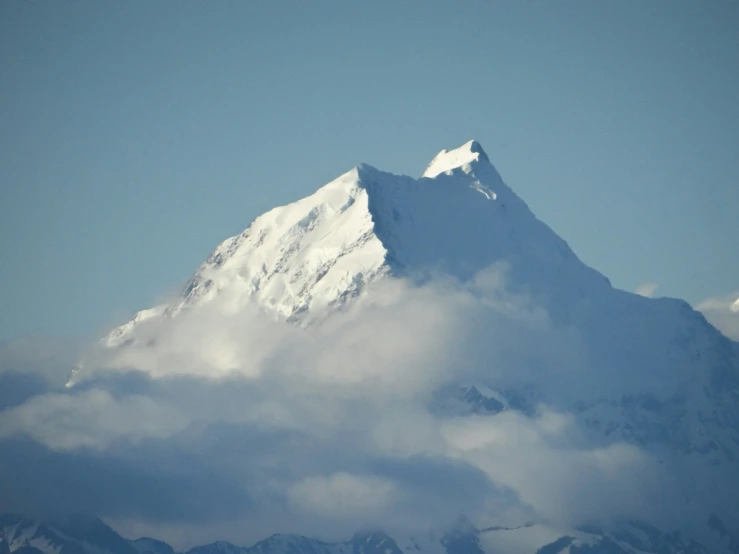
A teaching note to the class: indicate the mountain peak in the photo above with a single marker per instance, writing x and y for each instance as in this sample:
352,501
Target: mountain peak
302,261
447,160
476,147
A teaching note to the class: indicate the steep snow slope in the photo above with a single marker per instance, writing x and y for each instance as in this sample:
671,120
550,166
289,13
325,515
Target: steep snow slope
298,260
308,255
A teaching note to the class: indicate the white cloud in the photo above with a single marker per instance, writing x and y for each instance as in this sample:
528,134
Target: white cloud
646,289
91,419
547,460
723,313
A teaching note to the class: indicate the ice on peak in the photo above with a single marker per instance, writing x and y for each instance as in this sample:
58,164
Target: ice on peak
446,160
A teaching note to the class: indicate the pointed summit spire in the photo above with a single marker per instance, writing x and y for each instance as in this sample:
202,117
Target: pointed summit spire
447,160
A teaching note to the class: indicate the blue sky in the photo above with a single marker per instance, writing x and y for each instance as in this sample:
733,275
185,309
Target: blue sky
138,135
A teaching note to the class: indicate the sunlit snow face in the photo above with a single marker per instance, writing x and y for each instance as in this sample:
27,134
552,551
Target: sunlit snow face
265,427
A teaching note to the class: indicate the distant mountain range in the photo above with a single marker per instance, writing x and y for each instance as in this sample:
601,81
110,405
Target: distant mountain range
84,535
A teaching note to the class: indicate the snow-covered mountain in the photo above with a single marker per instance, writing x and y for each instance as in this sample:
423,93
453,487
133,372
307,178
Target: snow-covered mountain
73,534
656,374
85,535
655,364
300,260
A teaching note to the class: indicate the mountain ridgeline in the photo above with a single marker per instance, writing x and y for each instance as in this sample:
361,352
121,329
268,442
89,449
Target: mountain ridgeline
86,535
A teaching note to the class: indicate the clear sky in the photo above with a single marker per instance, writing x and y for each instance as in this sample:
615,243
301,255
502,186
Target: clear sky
135,136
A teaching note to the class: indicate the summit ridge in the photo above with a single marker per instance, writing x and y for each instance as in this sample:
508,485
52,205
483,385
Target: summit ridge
448,160
299,260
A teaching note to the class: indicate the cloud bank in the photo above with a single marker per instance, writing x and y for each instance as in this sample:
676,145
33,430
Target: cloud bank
236,426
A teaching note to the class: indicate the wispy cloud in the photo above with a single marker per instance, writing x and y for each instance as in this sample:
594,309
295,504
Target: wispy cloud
646,289
723,313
